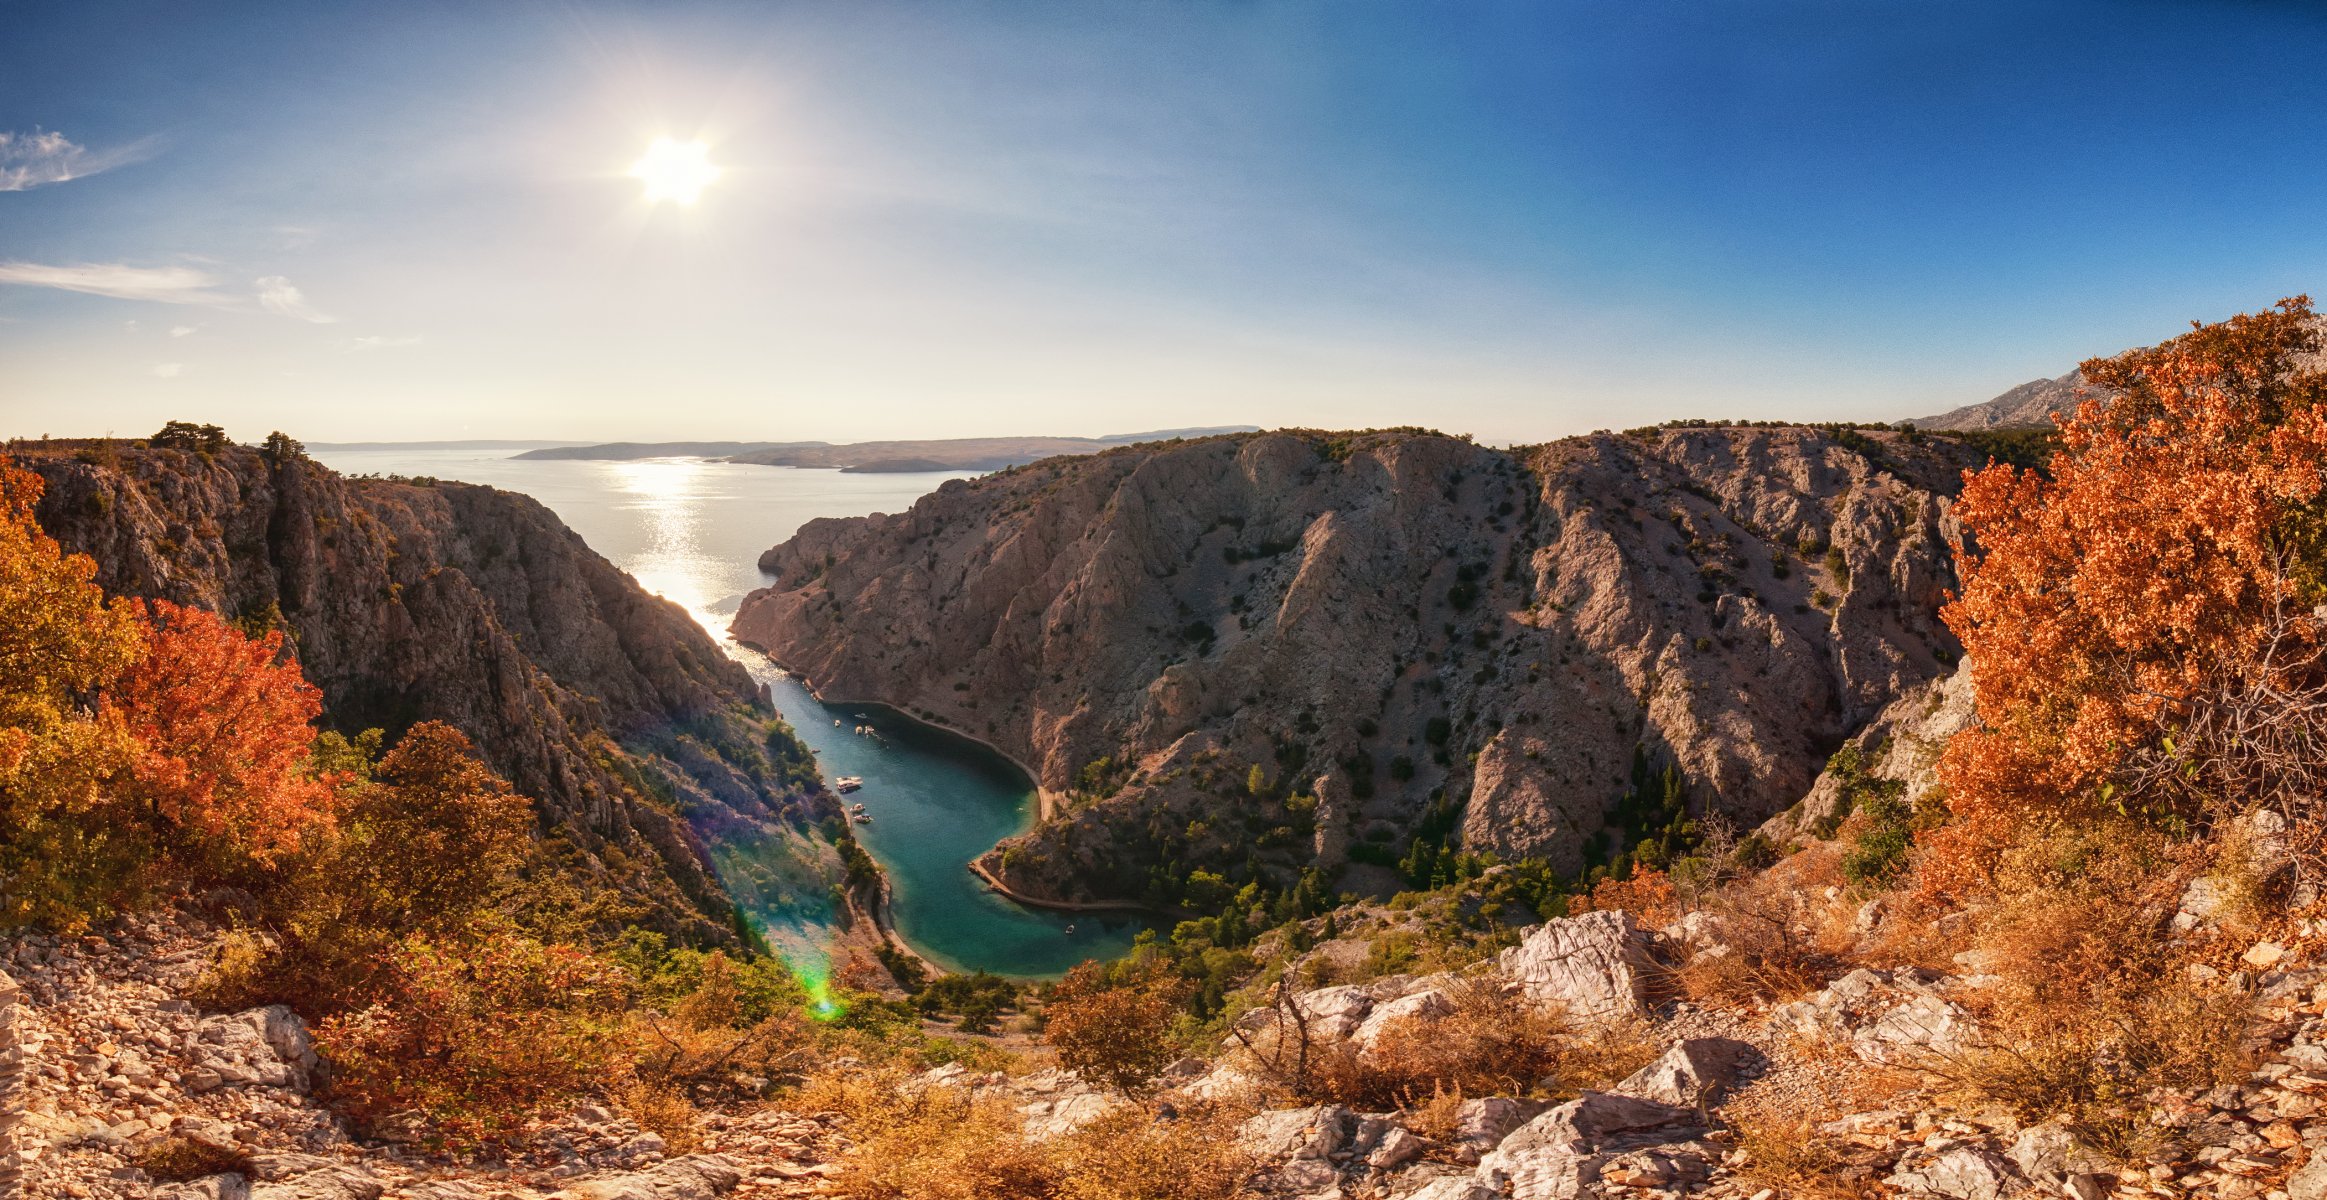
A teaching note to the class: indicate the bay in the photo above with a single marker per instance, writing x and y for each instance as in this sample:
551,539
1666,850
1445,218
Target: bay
692,532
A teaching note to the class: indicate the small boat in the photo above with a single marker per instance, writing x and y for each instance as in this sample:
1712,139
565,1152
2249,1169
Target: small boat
856,808
836,722
1070,929
862,819
848,783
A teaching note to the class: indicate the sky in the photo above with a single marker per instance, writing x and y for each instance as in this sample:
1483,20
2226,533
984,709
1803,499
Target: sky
936,219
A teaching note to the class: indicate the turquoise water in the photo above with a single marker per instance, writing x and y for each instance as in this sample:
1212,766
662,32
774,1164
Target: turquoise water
692,532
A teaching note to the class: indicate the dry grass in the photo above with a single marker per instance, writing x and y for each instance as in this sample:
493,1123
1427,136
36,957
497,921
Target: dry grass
1790,1154
1492,1042
942,1143
177,1159
664,1110
1782,937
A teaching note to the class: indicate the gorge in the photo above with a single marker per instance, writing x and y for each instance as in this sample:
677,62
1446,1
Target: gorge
1248,654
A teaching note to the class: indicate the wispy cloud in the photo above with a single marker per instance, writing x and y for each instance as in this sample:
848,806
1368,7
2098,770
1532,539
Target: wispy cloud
379,342
169,285
178,331
169,370
30,160
277,296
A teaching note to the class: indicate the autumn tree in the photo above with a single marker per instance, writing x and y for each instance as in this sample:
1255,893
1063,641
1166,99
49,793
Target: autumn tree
2142,617
225,727
1115,1032
428,844
63,858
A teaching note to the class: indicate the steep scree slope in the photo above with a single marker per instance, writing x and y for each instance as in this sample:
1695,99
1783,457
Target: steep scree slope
1386,624
639,741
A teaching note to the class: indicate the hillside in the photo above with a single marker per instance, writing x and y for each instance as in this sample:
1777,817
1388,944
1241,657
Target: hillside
1249,653
2032,405
640,742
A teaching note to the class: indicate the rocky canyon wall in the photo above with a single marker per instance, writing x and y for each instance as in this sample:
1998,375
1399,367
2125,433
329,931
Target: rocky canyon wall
1257,651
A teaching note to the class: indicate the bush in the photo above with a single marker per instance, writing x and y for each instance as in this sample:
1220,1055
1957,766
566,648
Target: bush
2185,519
1118,1034
477,1037
942,1143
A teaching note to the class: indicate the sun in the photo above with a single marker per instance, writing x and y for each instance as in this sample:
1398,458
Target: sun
675,170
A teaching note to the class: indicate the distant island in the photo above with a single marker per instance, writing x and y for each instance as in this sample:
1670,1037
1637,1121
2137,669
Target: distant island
470,444
939,454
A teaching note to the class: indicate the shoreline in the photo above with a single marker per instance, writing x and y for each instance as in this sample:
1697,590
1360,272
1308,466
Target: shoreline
1045,804
1098,906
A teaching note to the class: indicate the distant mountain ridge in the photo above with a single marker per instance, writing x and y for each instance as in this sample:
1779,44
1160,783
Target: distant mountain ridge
2032,405
929,454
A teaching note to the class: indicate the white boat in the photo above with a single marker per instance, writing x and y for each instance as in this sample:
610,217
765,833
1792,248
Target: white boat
848,783
862,819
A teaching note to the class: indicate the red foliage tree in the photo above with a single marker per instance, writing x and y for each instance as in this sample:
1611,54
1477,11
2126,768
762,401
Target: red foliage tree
2139,624
225,726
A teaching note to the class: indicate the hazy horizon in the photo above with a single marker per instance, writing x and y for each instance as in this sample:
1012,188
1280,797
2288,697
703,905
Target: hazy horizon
619,222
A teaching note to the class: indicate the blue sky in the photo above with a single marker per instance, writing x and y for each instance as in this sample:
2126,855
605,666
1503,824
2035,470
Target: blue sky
941,219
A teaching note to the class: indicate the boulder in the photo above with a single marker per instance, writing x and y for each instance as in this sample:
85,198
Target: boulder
337,1182
1482,1124
1453,1187
264,1046
1558,1156
1692,1073
1292,1133
2050,1155
1959,1173
2309,1183
1424,1005
1596,965
228,1186
695,1177
1896,1017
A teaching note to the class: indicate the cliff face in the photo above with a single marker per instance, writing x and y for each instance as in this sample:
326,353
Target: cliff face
642,745
1384,622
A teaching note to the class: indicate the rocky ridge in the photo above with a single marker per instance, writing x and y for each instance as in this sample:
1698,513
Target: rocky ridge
1385,622
640,742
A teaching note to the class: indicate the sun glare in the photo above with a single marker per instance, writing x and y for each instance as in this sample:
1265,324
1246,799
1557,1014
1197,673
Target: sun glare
675,170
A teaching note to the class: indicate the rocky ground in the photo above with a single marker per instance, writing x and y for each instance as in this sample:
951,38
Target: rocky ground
118,1066
1849,1057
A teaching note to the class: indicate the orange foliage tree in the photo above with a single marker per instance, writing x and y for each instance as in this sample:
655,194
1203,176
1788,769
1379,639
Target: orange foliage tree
64,856
2140,624
225,730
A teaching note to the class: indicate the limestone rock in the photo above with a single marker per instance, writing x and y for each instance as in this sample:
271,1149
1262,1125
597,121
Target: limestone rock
1166,606
695,1177
1900,1016
1959,1173
1595,965
1694,1072
1559,1155
1285,1134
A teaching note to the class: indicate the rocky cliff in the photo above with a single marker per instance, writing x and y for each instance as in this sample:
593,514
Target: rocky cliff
643,746
1399,630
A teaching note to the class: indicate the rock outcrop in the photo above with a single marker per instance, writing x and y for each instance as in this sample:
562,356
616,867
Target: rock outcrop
417,600
1386,625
